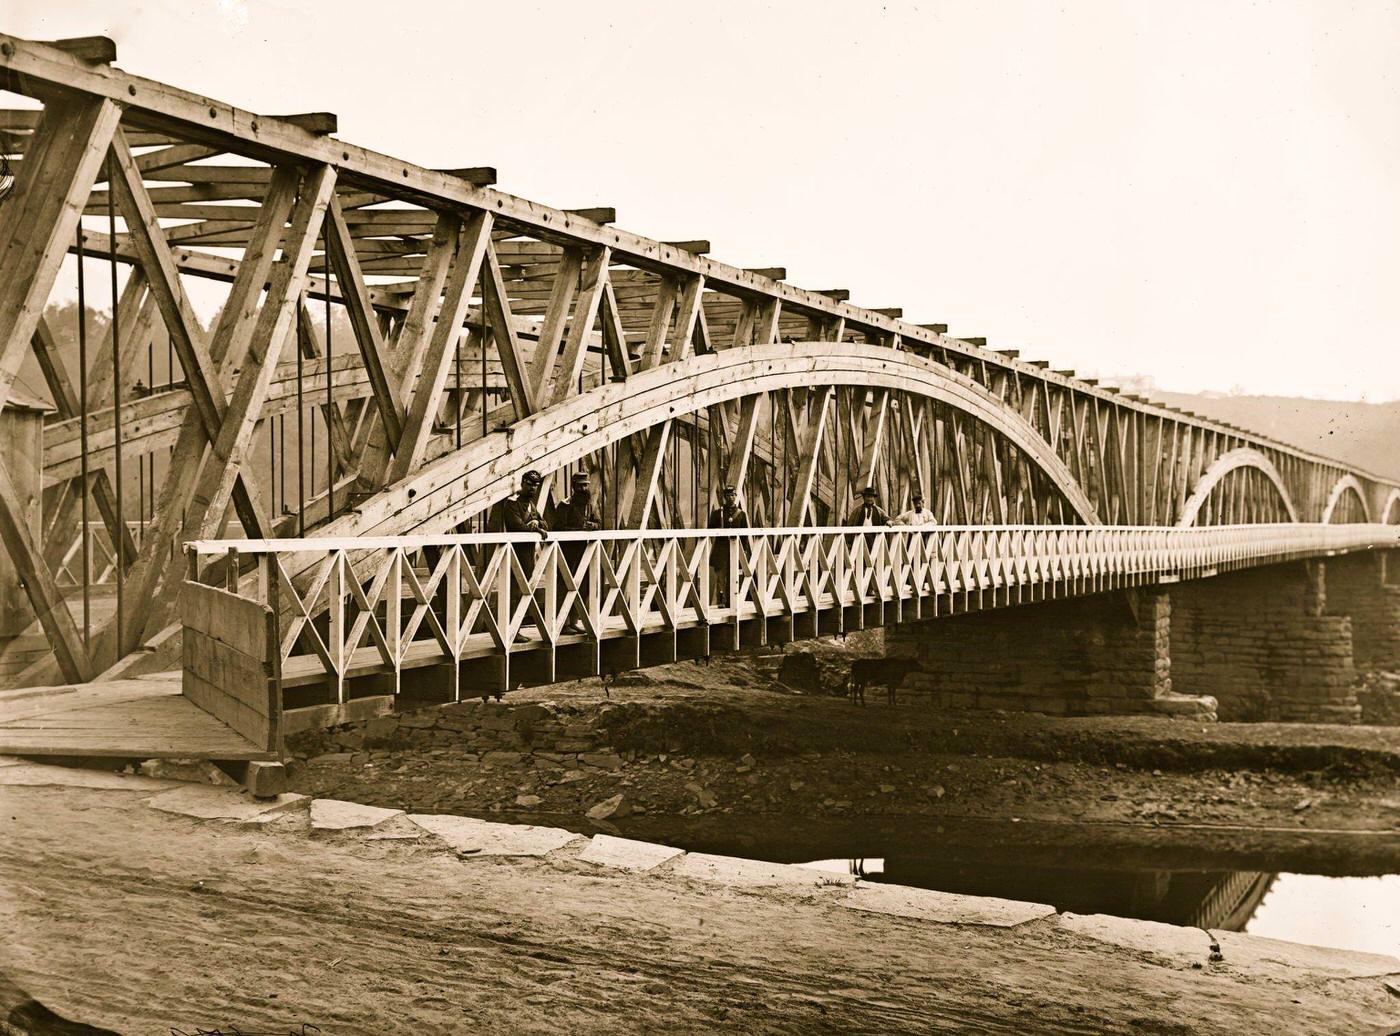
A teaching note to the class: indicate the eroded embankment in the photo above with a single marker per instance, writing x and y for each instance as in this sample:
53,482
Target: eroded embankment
697,754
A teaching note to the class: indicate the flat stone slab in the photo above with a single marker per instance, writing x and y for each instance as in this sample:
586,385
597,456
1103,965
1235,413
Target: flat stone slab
38,775
484,838
210,803
733,870
627,853
1258,955
1190,945
943,907
338,815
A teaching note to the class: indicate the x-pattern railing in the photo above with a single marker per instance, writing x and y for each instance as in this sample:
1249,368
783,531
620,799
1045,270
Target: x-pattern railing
370,605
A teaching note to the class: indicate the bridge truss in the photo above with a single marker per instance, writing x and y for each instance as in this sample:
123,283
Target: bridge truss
436,336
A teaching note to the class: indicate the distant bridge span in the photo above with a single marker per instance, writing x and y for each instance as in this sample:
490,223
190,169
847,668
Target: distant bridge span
395,343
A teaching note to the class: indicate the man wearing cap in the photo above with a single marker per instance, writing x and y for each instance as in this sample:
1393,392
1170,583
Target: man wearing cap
869,512
917,514
518,513
728,515
576,514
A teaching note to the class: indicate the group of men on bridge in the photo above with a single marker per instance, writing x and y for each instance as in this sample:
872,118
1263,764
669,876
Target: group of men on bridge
577,513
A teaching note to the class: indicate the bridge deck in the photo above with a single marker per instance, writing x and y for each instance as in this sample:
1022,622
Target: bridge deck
145,718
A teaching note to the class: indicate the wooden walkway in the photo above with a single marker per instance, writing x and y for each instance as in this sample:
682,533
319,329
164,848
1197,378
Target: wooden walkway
146,718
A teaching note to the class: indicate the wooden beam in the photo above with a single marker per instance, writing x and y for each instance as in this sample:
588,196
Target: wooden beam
222,467
496,302
661,312
688,312
614,337
472,250
414,337
741,448
477,175
601,214
320,124
383,382
594,277
643,495
556,318
41,217
44,597
874,438
67,403
227,347
809,452
95,50
341,442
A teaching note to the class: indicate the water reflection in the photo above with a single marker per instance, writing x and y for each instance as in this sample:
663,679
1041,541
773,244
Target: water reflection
1353,913
1204,899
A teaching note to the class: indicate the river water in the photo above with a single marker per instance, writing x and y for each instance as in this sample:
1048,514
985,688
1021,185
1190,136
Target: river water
1352,913
1354,906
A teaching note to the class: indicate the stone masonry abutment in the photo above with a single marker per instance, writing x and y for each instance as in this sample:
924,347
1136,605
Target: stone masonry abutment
1107,653
1262,642
1279,642
1366,587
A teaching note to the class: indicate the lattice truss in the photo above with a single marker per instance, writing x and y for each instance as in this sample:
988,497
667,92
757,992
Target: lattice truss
385,346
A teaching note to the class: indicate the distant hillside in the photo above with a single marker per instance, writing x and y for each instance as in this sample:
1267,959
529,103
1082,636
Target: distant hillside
1363,434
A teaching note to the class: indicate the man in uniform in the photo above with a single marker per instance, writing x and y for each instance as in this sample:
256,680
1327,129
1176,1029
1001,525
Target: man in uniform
576,514
518,513
728,515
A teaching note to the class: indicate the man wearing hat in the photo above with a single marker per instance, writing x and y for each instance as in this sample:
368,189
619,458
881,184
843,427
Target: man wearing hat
917,514
576,514
518,513
869,512
728,515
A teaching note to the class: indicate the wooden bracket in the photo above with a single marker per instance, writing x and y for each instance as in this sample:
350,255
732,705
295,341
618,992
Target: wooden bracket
477,175
320,123
95,50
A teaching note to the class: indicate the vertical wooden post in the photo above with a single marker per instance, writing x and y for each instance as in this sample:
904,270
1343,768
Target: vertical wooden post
335,626
393,613
452,582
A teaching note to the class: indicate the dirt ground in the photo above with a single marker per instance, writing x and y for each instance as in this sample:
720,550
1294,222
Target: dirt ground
745,757
143,922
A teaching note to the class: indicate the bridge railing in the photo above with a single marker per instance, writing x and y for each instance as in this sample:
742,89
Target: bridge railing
606,601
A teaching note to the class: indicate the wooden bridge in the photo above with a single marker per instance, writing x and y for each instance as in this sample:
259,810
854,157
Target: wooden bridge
389,346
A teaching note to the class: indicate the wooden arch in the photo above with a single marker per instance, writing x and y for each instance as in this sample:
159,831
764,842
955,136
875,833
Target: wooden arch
452,488
1390,512
1244,457
1340,488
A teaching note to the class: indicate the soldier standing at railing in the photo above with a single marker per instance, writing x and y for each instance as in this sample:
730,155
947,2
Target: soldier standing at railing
728,515
518,513
576,514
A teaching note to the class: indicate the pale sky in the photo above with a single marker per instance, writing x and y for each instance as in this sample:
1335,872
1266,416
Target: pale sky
1203,192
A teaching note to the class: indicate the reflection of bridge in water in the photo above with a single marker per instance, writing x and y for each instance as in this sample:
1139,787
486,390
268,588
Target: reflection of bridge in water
395,344
1195,898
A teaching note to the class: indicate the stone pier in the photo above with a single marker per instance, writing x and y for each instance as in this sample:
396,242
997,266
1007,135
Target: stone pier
1097,655
1280,643
1264,645
1366,587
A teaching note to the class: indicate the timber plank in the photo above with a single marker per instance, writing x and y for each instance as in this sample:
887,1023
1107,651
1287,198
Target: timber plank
223,616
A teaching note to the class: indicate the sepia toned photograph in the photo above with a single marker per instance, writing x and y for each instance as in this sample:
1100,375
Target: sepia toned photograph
773,517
